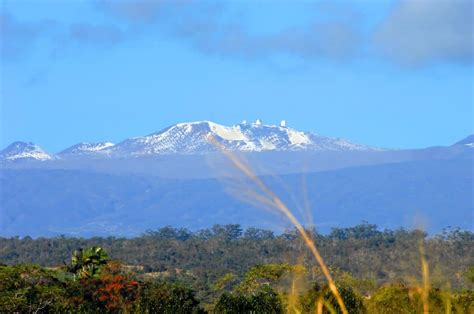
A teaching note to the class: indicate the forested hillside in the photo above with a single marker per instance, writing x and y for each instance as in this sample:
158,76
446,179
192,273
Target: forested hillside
203,256
225,269
54,202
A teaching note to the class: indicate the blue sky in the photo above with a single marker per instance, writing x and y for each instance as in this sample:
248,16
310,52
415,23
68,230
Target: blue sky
390,74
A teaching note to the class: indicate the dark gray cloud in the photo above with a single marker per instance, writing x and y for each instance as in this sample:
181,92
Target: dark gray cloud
420,32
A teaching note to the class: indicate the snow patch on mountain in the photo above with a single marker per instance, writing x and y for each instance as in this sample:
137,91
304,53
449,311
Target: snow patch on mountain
85,148
24,151
226,133
193,138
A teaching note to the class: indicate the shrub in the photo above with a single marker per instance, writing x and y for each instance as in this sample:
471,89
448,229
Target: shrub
264,301
30,289
463,302
352,300
168,298
398,298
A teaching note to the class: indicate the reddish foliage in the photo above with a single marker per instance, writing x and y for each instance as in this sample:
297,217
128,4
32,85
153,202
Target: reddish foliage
115,290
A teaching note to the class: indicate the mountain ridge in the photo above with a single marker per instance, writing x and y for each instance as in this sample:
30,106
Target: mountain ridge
193,138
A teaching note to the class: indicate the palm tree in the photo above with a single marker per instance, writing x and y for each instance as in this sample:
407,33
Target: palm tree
87,263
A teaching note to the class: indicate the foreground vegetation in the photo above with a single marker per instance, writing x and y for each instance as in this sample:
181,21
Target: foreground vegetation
229,270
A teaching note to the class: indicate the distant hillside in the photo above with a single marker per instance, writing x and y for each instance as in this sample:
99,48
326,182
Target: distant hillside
48,202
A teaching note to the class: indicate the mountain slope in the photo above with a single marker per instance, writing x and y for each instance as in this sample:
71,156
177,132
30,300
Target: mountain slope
51,202
85,148
468,141
24,151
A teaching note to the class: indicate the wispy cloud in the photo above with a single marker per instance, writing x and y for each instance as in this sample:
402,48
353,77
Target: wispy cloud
421,32
18,37
103,35
333,40
206,26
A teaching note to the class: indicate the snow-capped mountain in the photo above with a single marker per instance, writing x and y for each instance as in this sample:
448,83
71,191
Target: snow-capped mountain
194,138
24,151
468,141
85,148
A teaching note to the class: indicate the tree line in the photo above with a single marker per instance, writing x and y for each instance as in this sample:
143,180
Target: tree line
364,257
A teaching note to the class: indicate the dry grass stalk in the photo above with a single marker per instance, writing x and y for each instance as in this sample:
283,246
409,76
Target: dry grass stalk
270,198
425,287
